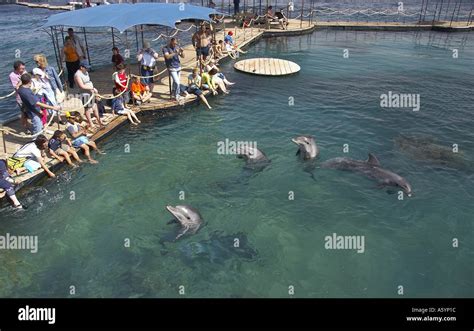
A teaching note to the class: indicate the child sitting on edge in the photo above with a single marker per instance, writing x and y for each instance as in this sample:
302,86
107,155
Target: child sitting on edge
79,135
140,92
119,108
60,147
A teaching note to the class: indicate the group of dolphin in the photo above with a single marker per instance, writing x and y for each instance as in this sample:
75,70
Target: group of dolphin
191,220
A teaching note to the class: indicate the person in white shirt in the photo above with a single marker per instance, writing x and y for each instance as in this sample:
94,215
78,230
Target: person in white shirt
32,151
147,58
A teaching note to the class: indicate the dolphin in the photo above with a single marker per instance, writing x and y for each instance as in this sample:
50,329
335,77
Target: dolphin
308,149
427,149
188,217
371,169
254,158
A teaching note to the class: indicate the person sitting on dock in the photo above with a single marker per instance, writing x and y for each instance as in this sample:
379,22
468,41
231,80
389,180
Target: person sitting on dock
194,84
79,135
83,81
202,41
33,104
116,57
207,83
217,81
6,184
172,53
147,58
15,79
60,148
140,92
119,108
228,39
280,18
218,49
32,153
121,82
213,65
71,58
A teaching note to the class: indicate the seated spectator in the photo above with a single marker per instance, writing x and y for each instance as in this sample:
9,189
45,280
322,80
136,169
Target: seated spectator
207,83
32,153
217,81
60,147
228,38
116,57
119,108
276,18
79,136
32,104
121,82
6,184
213,65
219,50
194,83
140,92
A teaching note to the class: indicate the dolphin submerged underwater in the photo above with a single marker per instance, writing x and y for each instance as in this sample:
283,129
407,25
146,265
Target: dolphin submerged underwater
372,169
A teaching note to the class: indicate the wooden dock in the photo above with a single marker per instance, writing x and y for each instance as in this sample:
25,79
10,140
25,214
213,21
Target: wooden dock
102,79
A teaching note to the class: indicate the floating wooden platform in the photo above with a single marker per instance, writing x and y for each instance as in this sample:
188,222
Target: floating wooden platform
267,66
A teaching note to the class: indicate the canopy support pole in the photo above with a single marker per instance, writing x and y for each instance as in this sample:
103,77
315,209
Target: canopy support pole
113,38
87,46
58,62
143,39
136,36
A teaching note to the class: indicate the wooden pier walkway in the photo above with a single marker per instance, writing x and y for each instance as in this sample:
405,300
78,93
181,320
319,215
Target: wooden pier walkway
102,79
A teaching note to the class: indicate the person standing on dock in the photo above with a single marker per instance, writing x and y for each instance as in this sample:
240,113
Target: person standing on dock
78,45
84,82
15,79
202,42
72,59
236,7
172,53
32,104
147,58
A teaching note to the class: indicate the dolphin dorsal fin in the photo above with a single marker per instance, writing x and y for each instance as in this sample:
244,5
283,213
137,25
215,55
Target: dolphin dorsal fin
372,160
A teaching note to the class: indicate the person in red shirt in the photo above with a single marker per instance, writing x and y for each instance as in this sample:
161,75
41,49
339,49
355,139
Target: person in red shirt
121,80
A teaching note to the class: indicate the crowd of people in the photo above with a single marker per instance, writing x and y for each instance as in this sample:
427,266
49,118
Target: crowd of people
40,94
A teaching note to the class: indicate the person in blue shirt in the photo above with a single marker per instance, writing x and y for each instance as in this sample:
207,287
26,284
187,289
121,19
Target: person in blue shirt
6,184
119,108
172,53
32,104
228,38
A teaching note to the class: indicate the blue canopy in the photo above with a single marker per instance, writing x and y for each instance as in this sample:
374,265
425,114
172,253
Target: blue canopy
123,16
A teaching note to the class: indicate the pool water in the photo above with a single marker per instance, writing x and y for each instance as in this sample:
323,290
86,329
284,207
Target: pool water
83,242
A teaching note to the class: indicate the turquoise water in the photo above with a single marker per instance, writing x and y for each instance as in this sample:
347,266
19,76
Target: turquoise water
336,99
